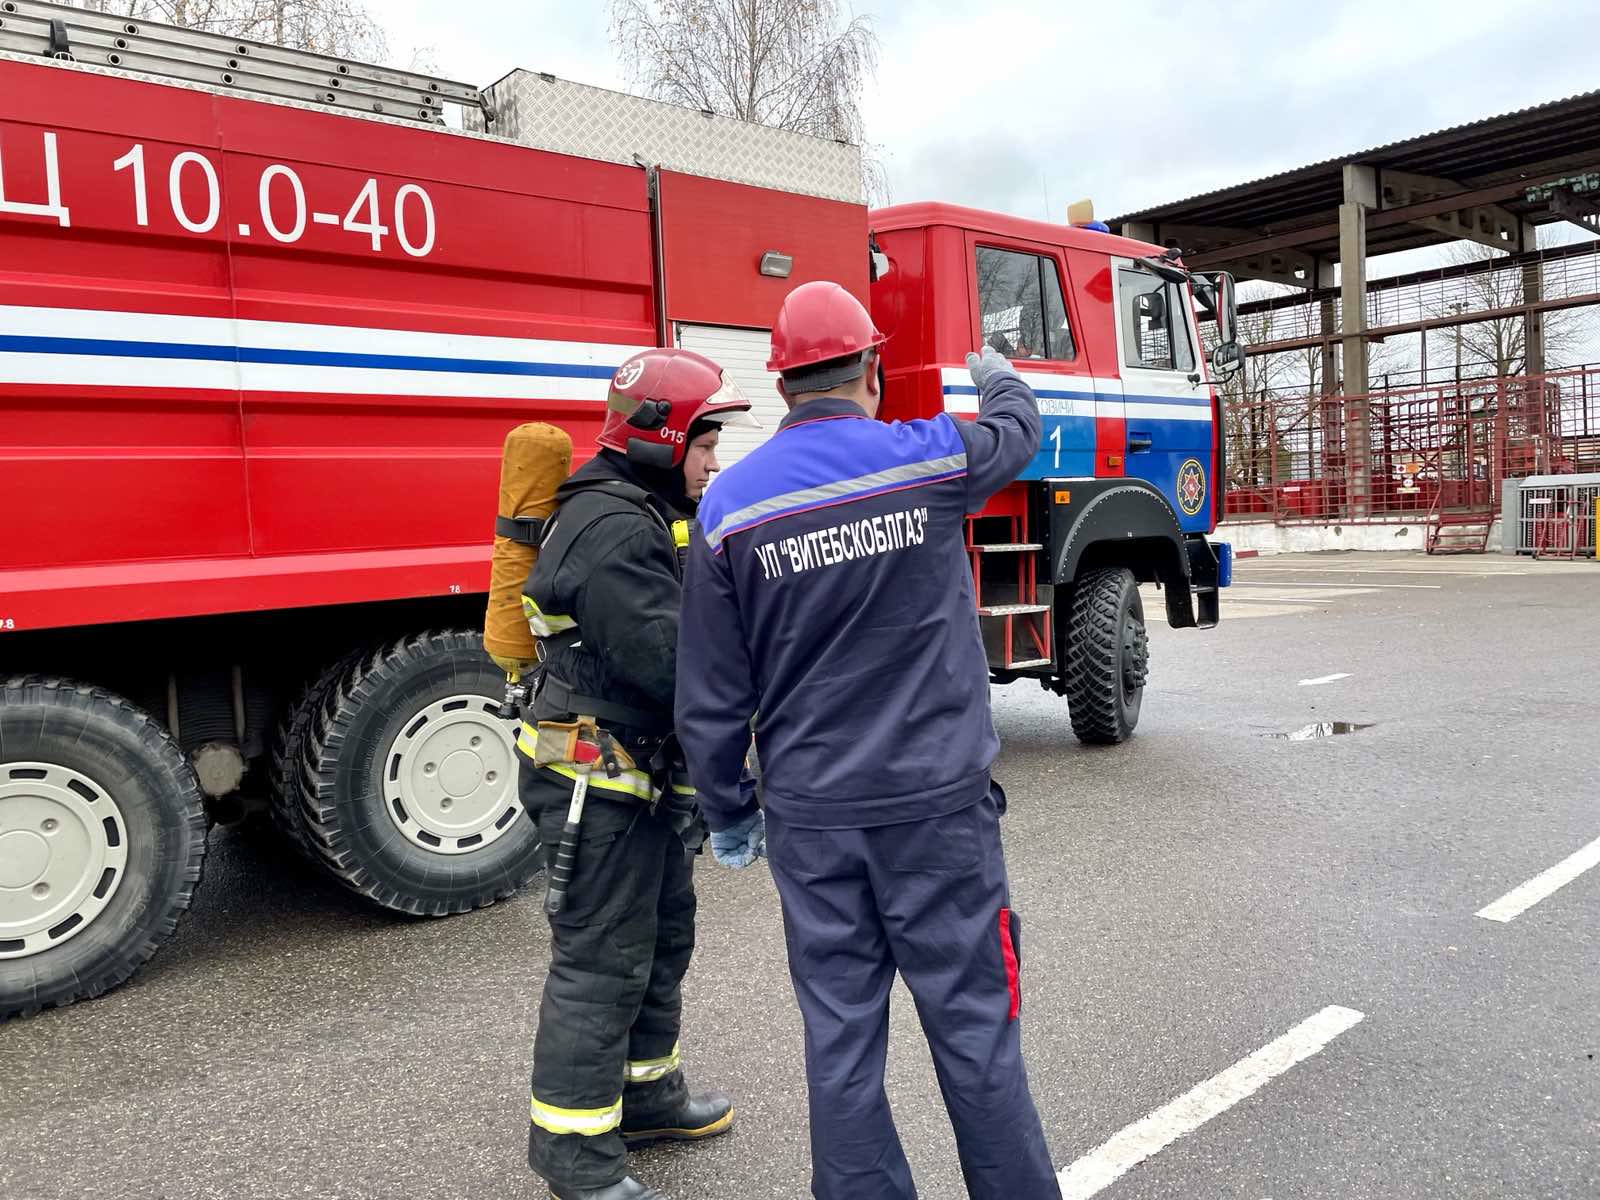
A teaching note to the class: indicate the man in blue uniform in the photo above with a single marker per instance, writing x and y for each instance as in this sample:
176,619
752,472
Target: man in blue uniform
828,594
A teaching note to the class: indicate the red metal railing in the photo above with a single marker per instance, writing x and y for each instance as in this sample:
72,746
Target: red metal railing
1447,446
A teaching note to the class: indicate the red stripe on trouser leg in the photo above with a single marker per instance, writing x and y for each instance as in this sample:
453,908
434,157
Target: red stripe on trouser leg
1009,954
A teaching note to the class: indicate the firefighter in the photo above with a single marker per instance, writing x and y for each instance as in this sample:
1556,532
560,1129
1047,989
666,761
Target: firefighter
836,552
603,599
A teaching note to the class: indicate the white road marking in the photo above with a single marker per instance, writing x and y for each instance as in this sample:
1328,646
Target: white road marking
1327,591
1321,679
1366,587
1383,571
1275,600
1519,899
1195,1107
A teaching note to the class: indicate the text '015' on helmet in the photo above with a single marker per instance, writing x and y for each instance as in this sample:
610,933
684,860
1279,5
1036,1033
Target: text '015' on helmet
821,337
658,396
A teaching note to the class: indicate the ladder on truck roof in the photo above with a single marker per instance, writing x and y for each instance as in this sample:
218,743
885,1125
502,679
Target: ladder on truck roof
33,27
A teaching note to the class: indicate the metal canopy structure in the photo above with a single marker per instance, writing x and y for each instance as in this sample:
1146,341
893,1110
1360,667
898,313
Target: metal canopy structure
1493,182
1489,181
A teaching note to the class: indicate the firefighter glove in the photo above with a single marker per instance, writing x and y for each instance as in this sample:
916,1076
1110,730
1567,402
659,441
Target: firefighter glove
741,844
988,367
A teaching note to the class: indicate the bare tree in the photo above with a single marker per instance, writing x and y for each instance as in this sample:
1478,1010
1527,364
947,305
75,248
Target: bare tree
1500,344
1268,405
794,64
1280,423
339,27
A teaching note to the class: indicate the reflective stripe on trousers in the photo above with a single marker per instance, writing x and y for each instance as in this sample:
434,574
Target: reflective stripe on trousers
585,1121
646,1070
588,1122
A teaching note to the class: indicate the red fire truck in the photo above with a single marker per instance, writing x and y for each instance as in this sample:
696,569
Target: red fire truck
264,322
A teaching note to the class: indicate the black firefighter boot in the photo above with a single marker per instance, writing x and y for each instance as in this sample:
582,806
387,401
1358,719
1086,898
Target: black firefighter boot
628,1188
685,1118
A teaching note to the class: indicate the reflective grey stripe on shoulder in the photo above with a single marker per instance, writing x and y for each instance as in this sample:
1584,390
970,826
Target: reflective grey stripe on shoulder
813,497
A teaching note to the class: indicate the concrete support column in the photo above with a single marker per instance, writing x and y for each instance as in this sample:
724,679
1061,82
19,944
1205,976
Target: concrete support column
1533,319
1360,194
1534,364
1328,328
1510,515
1324,419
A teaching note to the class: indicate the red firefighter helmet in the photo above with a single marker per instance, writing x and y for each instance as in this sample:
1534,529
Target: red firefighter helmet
657,395
820,321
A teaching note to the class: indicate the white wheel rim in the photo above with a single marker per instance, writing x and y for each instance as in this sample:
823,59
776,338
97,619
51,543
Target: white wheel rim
63,853
450,777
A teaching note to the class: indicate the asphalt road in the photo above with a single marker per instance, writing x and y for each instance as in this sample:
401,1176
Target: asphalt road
1190,898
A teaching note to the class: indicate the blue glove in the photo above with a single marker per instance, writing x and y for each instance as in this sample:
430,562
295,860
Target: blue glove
988,367
740,845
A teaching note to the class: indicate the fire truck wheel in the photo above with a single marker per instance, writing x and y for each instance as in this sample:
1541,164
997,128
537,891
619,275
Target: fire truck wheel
288,753
409,779
102,837
1108,656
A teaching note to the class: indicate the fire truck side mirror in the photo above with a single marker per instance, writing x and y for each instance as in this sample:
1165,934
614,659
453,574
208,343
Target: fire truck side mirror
1227,309
1226,359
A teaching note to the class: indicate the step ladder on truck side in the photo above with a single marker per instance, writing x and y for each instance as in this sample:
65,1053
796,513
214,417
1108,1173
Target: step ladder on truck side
1013,606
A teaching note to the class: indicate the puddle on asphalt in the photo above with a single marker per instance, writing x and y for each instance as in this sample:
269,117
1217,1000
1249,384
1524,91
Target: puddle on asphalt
1322,729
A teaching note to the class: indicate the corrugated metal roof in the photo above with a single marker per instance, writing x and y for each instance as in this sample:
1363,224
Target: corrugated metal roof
1472,152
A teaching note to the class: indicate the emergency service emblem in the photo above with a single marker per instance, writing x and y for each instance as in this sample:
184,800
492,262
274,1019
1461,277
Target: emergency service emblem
1191,486
628,375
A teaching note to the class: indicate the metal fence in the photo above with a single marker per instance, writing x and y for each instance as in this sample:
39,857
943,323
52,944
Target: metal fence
1412,450
1494,290
1578,446
1557,519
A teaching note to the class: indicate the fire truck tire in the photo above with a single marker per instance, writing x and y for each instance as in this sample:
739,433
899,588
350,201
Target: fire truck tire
408,779
1107,657
289,751
102,840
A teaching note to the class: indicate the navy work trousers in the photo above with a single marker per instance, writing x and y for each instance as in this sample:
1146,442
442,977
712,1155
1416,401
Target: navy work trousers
929,898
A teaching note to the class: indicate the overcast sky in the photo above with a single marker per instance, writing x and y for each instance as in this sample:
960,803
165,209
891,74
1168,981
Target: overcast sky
1032,105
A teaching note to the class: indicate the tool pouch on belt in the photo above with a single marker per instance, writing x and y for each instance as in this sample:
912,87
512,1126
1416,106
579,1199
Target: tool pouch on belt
557,742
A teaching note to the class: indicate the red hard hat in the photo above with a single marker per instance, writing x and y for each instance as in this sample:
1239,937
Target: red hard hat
657,395
820,321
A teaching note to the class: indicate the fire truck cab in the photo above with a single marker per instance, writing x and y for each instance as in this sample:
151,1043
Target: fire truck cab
1127,481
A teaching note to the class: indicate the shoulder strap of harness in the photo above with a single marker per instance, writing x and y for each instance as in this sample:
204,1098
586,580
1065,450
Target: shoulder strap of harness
529,531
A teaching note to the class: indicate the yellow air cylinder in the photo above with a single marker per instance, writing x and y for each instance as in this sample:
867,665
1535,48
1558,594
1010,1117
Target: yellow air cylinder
536,461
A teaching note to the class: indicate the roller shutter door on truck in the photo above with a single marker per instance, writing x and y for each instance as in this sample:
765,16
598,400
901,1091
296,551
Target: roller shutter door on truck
742,353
